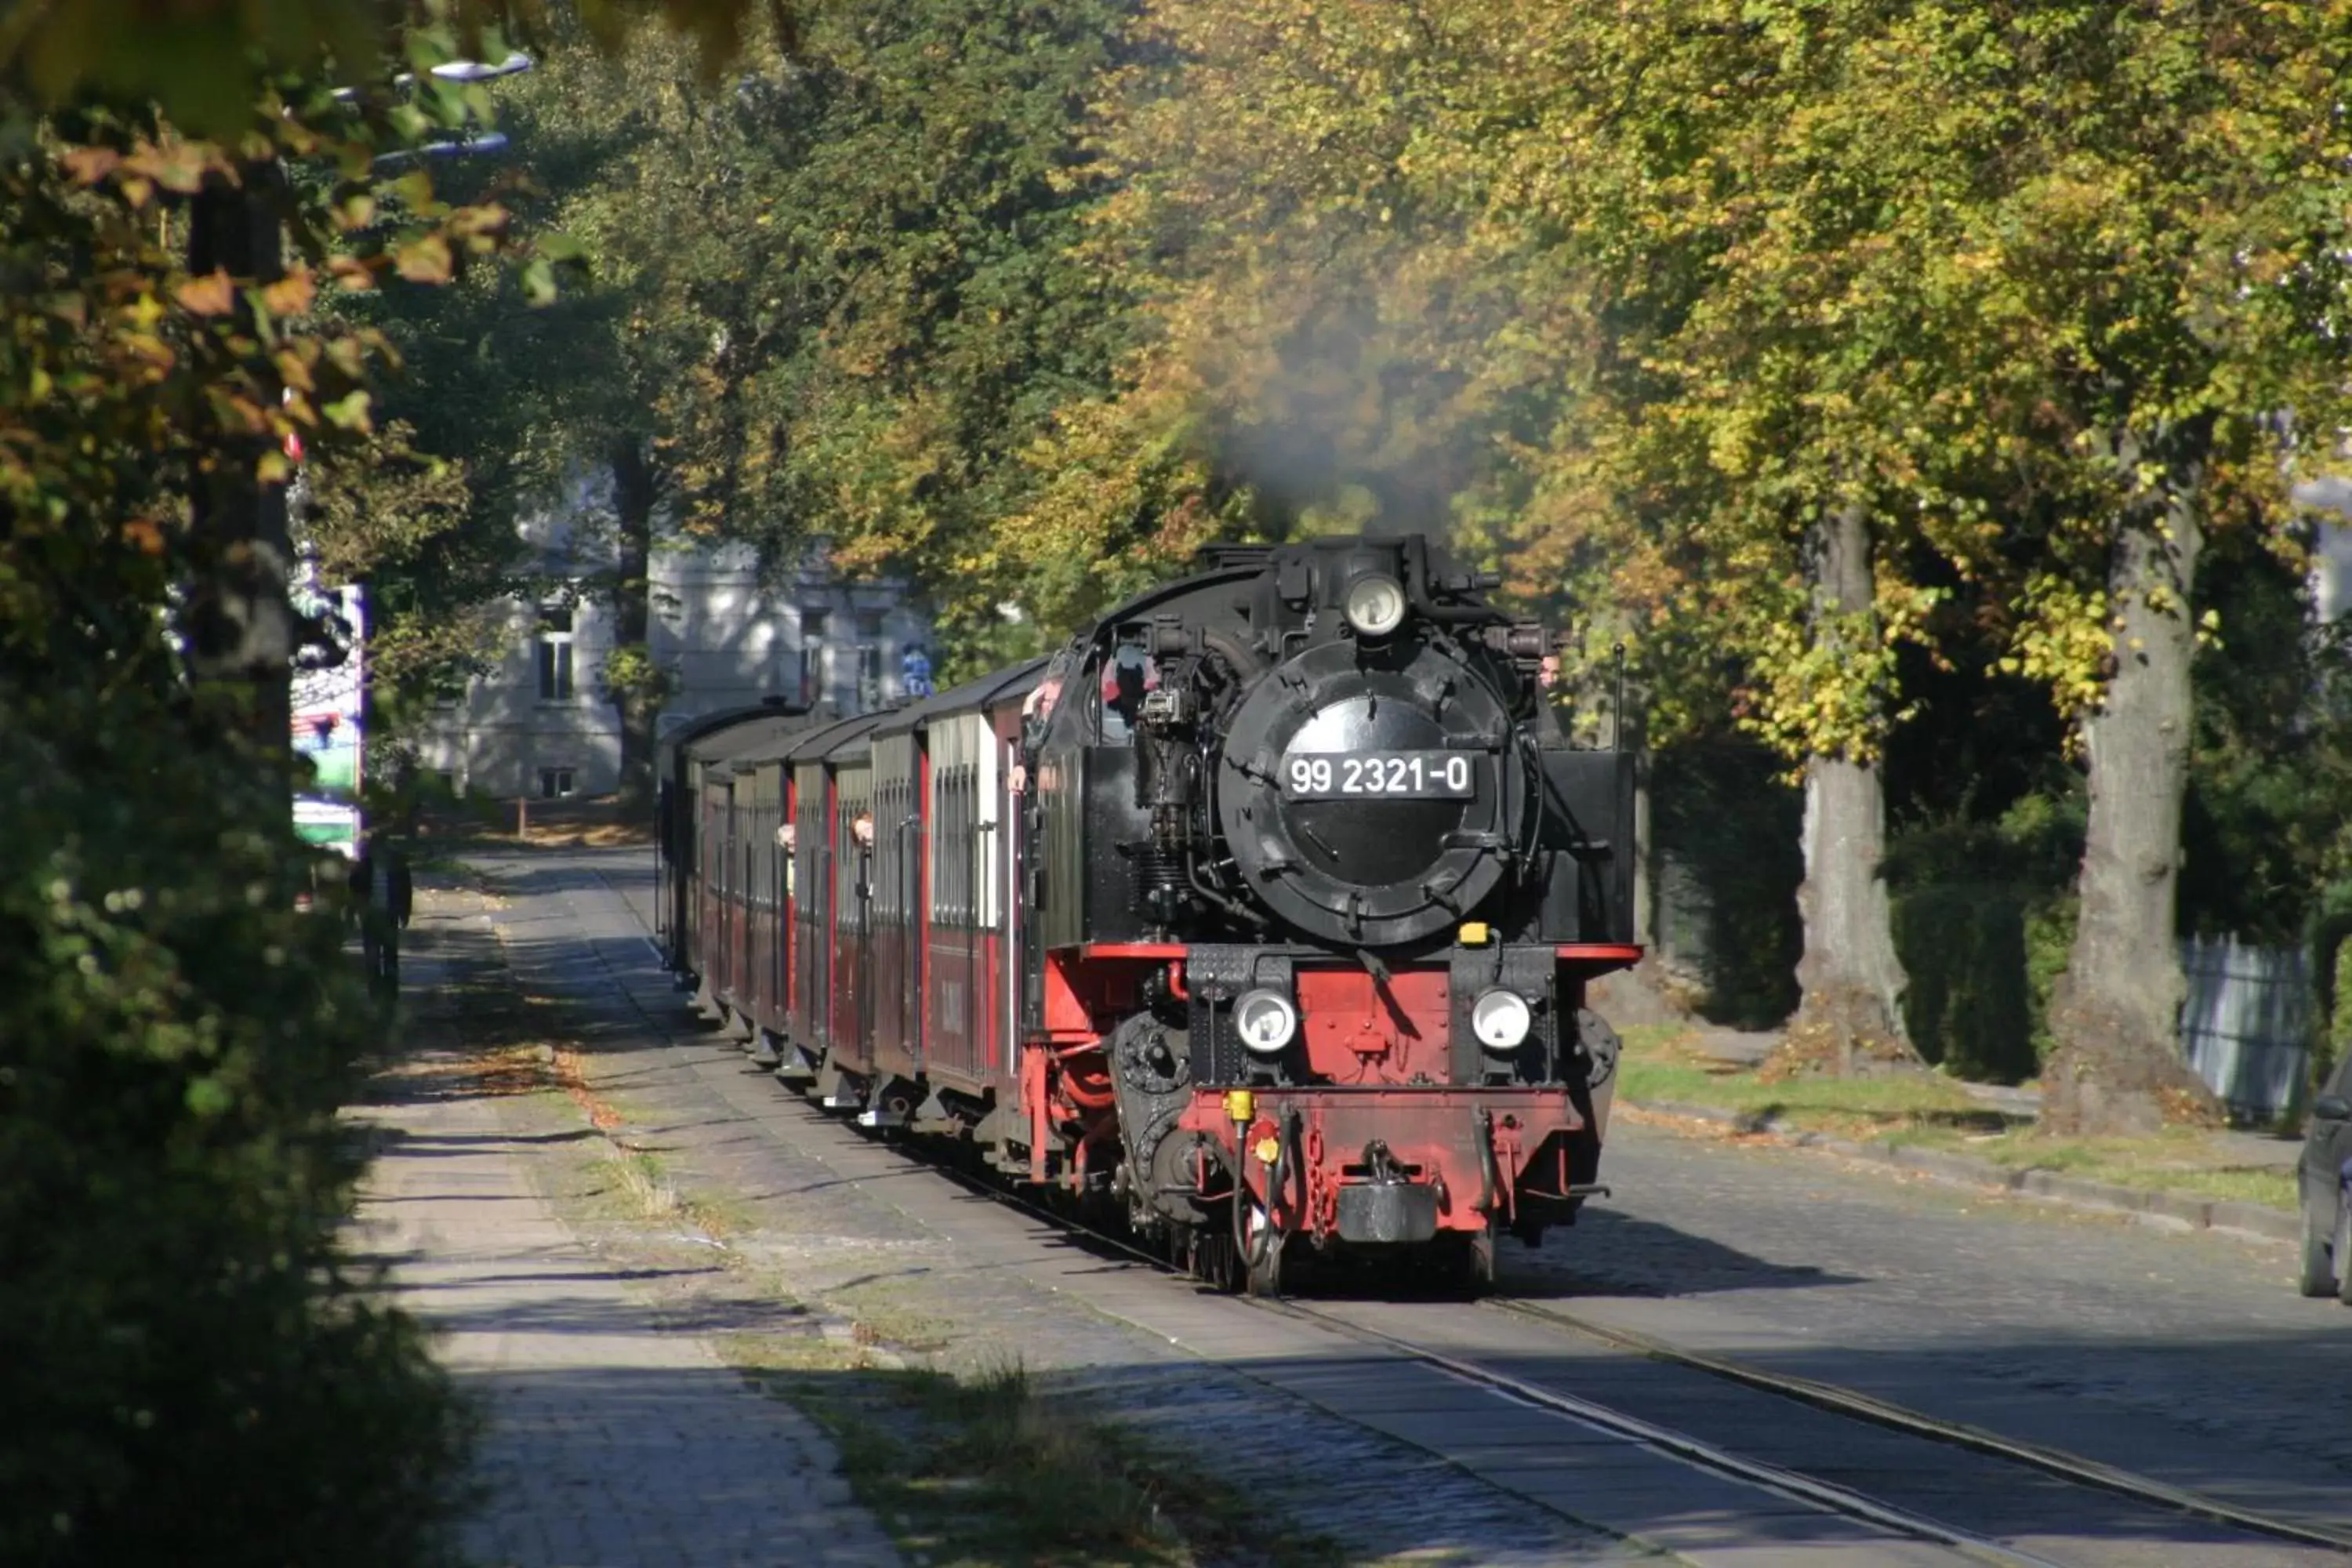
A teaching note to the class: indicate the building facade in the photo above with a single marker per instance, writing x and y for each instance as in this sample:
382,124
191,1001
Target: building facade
537,723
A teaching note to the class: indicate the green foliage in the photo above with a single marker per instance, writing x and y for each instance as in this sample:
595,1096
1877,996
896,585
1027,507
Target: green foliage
1963,949
631,675
195,1372
1984,917
2336,1038
932,310
194,1375
382,514
2264,836
836,303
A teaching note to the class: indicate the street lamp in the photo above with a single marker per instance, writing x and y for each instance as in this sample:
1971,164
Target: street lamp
463,146
454,70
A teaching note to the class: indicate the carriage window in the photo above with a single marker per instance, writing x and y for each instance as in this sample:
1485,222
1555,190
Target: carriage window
809,844
763,858
947,836
846,870
952,845
889,850
886,860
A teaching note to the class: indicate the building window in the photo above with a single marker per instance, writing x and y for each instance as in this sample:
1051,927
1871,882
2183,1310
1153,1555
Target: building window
448,777
554,783
555,656
869,623
813,624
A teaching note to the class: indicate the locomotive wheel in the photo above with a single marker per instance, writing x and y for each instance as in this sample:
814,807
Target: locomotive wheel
1476,1268
1265,1274
1214,1262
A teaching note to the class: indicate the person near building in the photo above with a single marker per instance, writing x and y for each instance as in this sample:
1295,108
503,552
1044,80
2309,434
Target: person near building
915,671
383,892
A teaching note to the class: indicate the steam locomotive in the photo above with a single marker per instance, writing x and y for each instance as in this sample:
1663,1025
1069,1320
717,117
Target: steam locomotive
1261,912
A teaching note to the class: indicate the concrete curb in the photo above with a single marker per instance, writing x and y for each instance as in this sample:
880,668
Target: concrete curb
2171,1210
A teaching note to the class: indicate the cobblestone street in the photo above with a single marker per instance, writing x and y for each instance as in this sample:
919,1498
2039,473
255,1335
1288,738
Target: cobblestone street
620,1437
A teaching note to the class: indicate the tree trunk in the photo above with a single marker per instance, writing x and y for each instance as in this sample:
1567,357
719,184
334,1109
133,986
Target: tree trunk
1849,1017
637,698
2115,1012
242,629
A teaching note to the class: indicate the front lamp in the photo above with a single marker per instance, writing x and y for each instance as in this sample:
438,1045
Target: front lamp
1265,1021
1375,606
1501,1019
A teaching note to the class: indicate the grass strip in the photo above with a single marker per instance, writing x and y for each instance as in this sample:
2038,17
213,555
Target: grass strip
989,1469
1661,1063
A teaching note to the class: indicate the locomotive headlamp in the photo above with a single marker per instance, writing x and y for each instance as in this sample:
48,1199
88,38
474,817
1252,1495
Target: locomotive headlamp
1375,606
1265,1021
1501,1019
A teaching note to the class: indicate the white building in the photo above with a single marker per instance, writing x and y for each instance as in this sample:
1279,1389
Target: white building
537,722
2331,556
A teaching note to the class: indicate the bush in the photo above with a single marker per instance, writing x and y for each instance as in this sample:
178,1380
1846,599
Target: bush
1984,917
1968,1004
193,1373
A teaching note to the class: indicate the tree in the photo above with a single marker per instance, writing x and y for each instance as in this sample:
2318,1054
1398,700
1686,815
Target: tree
931,311
1439,263
198,1371
614,402
2170,251
204,65
2137,214
2042,280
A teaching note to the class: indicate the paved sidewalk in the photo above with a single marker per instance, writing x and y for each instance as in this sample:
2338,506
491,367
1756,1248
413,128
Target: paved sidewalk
610,1441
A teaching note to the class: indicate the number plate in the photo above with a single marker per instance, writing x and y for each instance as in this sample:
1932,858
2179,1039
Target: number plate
1379,776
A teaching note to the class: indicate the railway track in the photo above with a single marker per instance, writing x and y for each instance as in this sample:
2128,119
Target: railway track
1399,1334
1860,1407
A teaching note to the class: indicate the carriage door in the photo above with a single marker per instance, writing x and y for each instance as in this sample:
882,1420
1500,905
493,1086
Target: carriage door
869,1012
722,947
827,932
782,894
907,902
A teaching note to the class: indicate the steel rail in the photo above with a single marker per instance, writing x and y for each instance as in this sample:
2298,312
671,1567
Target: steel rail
1697,1452
1865,1407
